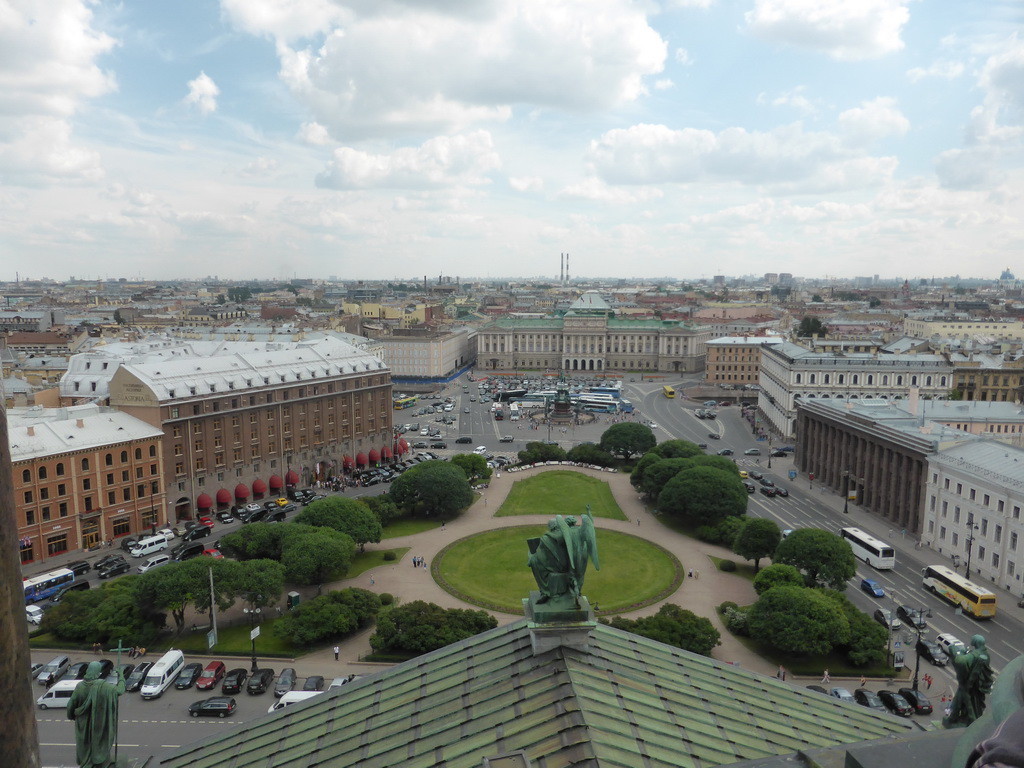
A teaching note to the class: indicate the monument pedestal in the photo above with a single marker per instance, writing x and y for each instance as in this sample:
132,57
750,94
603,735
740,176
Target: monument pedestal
558,622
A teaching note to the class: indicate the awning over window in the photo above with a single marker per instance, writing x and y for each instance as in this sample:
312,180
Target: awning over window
403,446
386,452
223,496
361,460
241,491
292,477
259,487
374,455
276,483
204,501
347,462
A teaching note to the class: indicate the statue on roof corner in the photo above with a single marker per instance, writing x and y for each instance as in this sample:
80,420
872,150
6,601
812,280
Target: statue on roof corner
974,676
560,557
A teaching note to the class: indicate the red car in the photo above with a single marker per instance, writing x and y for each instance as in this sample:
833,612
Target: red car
210,676
215,553
207,521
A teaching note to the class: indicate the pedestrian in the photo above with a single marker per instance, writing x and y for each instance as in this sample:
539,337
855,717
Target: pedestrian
696,575
638,522
371,580
337,653
690,573
414,561
826,677
96,647
863,681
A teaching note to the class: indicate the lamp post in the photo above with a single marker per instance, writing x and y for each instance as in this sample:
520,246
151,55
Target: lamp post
846,491
971,527
253,612
769,450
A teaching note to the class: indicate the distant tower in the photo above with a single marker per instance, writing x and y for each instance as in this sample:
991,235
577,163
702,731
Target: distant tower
567,269
561,268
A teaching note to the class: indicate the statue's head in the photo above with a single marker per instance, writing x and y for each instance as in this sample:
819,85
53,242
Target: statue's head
552,524
978,641
93,671
571,520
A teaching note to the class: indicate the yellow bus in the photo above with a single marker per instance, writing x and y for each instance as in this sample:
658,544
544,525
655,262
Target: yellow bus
973,599
667,391
405,402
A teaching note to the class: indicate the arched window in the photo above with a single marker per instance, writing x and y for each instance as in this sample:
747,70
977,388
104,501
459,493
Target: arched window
152,450
60,469
124,457
42,473
813,378
871,379
913,381
827,377
799,378
899,381
138,453
26,476
928,381
85,465
109,459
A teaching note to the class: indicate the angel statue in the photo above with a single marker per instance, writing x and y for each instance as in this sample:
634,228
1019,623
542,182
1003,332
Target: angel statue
559,558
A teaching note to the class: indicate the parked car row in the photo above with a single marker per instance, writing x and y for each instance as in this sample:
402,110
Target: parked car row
904,702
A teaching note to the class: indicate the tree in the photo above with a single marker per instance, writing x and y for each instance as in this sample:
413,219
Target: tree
588,453
418,627
868,638
473,464
328,617
659,473
822,556
628,439
312,555
648,460
345,515
537,452
759,537
221,298
432,489
676,449
776,575
704,496
675,626
118,317
383,507
798,620
810,326
255,541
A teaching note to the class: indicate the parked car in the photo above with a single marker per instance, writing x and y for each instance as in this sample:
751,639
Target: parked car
817,689
188,675
114,569
260,681
872,587
79,567
439,444
463,440
780,491
752,452
917,701
868,698
285,682
506,439
126,672
106,560
138,676
749,486
842,694
213,552
754,474
313,683
895,703
217,706
210,676
914,617
884,617
234,680
777,454
930,650
198,532
225,516
34,614
766,481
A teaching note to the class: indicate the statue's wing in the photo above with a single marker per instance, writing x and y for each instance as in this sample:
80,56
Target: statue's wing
589,536
567,538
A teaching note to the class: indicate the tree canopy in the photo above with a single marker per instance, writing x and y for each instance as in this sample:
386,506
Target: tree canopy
473,464
588,453
777,574
628,439
418,627
328,617
537,452
798,620
315,555
383,507
432,489
811,326
759,537
822,556
704,496
674,626
347,516
676,449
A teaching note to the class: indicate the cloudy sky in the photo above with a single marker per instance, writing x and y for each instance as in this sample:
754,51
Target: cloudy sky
402,138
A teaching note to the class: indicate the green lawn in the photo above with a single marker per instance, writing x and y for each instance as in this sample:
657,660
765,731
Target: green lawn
235,641
561,493
364,561
408,526
489,570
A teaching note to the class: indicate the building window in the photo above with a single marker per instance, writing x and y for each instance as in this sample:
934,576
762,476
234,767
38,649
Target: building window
85,465
62,509
1013,541
109,459
60,469
28,497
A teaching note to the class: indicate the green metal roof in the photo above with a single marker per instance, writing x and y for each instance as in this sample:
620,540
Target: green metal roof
628,702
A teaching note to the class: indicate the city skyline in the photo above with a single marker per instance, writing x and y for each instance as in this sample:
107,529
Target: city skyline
256,139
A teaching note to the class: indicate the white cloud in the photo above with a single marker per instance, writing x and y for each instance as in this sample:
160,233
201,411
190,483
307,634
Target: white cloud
43,153
1000,117
203,92
947,70
526,183
664,84
314,133
404,67
439,162
873,120
704,4
683,57
787,156
595,189
847,30
972,168
261,166
792,98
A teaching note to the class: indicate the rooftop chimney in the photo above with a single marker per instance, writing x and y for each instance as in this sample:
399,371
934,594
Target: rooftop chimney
31,431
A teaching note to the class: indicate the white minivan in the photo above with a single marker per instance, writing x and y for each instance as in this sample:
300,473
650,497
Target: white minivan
292,697
154,562
149,546
58,696
163,673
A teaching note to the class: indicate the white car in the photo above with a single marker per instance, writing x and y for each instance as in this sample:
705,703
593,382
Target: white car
34,613
948,642
167,533
481,449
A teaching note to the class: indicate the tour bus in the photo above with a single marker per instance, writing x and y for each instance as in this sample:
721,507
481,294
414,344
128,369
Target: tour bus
405,402
615,392
163,673
667,391
514,412
625,406
972,598
872,551
43,586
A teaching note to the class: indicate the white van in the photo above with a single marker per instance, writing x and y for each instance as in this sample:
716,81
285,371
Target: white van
58,696
163,673
292,697
154,562
149,546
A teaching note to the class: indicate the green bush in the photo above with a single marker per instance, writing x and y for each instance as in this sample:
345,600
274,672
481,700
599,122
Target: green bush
389,556
735,620
727,565
726,606
386,598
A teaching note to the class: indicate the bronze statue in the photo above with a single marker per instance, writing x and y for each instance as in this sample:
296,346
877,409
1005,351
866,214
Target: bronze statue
559,558
974,678
93,707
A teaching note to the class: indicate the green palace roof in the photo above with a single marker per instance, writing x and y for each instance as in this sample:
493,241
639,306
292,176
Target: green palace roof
625,701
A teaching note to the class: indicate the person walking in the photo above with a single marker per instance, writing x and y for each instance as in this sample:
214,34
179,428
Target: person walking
826,677
863,681
337,653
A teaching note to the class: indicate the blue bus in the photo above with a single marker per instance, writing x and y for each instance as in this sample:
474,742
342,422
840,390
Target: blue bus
615,392
43,586
625,406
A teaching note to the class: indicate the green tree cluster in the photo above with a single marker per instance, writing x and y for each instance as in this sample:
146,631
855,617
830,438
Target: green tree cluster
537,452
419,627
310,555
473,464
777,575
347,516
432,489
588,453
798,620
627,440
328,617
674,626
704,495
383,507
759,537
811,326
824,558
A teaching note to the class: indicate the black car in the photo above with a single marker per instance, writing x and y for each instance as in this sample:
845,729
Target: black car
749,486
79,567
199,532
817,689
313,683
225,516
895,703
187,551
776,454
260,681
128,542
754,474
781,492
187,676
234,680
725,452
255,515
218,706
462,440
917,700
913,617
714,436
441,444
106,560
285,682
138,676
931,652
768,490
869,699
114,569
766,481
126,672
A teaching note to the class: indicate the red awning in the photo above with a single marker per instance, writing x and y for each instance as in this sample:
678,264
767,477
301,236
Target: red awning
403,446
276,483
374,455
204,501
291,477
386,452
223,496
259,487
361,460
347,462
241,491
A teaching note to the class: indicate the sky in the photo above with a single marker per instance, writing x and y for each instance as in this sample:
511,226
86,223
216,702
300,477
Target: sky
394,139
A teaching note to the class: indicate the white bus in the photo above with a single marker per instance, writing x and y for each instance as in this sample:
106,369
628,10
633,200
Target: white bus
514,411
875,553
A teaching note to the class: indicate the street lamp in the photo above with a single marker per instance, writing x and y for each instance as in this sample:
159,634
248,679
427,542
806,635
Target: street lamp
971,527
769,450
253,612
846,491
